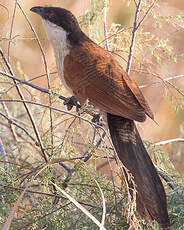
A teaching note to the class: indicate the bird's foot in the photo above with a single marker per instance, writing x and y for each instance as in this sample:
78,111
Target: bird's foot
97,119
70,102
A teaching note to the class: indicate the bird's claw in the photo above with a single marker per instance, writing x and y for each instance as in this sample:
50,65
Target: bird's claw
97,119
70,102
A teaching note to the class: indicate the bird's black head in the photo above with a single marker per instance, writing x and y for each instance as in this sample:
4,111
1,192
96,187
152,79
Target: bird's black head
62,18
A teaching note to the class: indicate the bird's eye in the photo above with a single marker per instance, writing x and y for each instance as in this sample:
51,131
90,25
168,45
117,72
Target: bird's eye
51,14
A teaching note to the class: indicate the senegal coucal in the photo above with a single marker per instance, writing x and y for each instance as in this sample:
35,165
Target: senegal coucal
90,72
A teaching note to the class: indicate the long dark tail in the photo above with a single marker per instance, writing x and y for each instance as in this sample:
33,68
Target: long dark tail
150,198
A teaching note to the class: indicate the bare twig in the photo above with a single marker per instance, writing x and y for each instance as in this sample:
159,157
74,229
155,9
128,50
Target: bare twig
64,98
12,130
107,48
169,181
18,83
5,9
46,68
67,130
146,14
136,25
166,177
135,3
86,156
131,49
9,43
3,154
167,81
47,194
161,81
26,107
168,141
56,109
11,30
88,153
34,86
105,26
10,121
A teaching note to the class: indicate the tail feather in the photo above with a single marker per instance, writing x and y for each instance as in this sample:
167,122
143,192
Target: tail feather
151,198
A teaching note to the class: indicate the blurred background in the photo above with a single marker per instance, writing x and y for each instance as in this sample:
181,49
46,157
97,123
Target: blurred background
159,52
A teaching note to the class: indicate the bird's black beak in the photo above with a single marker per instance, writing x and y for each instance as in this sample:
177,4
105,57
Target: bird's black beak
38,10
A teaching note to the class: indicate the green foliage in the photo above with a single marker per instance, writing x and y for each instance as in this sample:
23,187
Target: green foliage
175,205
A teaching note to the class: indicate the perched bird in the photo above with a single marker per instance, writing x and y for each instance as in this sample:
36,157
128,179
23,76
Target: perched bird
90,72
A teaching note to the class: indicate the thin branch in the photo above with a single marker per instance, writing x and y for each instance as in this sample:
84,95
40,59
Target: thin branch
64,98
169,181
168,141
12,130
23,141
135,3
67,130
34,86
165,177
86,156
46,68
11,30
146,14
56,109
161,81
25,106
4,155
107,48
105,26
5,9
10,121
47,194
135,28
18,83
131,49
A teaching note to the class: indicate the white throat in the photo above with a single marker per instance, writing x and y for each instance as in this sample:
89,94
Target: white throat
58,37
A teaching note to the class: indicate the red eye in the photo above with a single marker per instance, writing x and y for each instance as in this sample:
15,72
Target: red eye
51,14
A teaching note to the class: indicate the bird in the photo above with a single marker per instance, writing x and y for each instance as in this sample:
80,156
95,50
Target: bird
89,72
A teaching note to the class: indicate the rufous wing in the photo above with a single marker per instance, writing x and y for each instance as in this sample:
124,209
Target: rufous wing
97,76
